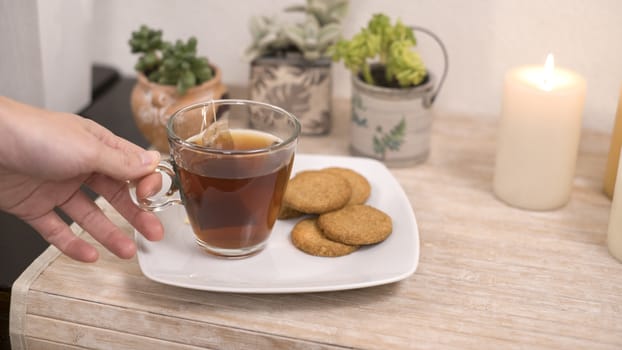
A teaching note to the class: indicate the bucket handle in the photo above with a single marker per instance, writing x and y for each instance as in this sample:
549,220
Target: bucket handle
445,58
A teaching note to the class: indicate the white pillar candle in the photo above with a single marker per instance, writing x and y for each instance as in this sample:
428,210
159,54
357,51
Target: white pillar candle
539,136
614,230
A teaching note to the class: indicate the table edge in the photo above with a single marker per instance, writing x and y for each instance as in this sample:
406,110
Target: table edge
21,286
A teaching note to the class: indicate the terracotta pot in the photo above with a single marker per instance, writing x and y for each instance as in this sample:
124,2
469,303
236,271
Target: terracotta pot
153,104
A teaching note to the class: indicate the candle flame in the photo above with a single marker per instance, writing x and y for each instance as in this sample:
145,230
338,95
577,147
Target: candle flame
549,67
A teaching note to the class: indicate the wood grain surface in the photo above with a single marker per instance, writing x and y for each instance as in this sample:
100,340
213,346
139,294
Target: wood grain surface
490,276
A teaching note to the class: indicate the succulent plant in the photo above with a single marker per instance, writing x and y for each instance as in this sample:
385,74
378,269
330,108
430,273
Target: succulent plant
325,11
312,39
320,29
389,45
268,37
169,64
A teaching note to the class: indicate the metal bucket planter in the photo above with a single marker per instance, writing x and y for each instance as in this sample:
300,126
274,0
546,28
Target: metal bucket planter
394,125
301,87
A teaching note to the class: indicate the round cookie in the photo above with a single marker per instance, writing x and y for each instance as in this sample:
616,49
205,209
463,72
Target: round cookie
288,213
317,192
361,189
306,236
356,225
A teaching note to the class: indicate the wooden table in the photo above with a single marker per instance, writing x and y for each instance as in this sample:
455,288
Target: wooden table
489,275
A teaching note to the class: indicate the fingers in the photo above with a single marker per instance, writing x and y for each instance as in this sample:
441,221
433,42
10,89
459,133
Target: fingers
119,158
116,193
149,185
54,230
108,138
90,217
126,165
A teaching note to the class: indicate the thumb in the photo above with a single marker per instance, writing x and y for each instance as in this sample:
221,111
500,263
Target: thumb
126,164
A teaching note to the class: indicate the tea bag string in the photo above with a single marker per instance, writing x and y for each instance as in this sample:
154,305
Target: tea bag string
204,115
217,134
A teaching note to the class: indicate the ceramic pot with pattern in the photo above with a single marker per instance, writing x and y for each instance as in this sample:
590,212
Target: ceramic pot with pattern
394,124
301,87
389,124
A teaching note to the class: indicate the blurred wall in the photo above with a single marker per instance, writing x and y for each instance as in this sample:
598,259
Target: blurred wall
484,39
45,55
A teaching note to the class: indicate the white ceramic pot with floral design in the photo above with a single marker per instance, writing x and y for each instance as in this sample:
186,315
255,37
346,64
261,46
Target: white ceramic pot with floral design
301,87
391,124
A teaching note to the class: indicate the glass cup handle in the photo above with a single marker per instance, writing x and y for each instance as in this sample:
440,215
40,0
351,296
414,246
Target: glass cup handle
162,199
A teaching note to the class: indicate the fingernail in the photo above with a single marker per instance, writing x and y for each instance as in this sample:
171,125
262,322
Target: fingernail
150,157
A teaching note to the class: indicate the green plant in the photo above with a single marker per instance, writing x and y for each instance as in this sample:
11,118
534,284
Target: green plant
169,64
391,46
325,11
320,29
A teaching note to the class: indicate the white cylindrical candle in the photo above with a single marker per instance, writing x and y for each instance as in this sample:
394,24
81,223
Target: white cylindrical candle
539,136
614,230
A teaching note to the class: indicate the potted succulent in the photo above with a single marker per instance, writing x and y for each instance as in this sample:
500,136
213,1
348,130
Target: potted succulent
169,76
290,65
392,92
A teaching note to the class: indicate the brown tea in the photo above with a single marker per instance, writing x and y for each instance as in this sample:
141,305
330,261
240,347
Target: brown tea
232,202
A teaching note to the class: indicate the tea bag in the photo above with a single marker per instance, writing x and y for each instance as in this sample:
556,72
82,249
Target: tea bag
217,134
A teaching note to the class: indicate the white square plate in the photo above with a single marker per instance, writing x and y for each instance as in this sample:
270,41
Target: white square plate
281,267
